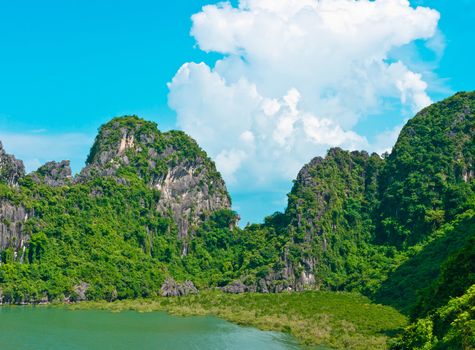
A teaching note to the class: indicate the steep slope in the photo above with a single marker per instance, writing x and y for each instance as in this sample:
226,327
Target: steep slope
352,218
322,239
13,213
11,169
13,217
329,211
346,211
419,283
449,327
414,239
427,203
428,178
191,188
99,240
119,229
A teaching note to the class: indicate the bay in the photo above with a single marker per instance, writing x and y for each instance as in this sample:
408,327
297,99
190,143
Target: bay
46,328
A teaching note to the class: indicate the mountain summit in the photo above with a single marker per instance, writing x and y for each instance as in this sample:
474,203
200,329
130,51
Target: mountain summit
171,162
11,169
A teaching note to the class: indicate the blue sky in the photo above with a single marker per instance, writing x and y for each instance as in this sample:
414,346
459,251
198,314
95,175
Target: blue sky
66,67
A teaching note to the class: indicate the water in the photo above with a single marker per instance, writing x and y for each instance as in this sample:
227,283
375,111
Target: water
42,328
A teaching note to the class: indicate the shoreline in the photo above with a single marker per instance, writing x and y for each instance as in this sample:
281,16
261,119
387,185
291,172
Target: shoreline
334,320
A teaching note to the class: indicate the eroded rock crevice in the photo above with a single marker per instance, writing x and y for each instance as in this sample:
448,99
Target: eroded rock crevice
12,227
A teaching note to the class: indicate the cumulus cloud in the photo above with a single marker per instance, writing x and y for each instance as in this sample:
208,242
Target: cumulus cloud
251,137
294,79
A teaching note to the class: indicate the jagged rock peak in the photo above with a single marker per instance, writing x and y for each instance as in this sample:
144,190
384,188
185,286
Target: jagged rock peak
54,174
172,162
119,135
11,169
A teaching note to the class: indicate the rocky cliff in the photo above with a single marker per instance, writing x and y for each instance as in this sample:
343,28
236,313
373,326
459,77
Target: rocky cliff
11,169
12,227
12,216
123,226
190,186
129,149
54,174
150,205
329,216
13,212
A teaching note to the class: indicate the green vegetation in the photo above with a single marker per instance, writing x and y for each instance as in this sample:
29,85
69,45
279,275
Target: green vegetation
340,320
102,233
110,236
147,152
398,228
425,181
418,285
449,327
330,215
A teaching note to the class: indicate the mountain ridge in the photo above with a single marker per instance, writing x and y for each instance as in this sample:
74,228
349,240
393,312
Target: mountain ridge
150,208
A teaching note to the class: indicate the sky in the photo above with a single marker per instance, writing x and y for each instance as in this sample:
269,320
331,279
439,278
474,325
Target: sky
263,85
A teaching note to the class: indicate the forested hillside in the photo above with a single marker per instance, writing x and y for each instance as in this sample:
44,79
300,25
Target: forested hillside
150,209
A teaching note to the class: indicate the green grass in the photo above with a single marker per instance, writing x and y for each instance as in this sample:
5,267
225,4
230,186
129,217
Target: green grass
337,320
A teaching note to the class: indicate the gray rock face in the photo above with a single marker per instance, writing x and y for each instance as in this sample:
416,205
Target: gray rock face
80,291
468,174
171,162
12,216
186,194
12,222
54,174
287,279
236,287
171,288
11,169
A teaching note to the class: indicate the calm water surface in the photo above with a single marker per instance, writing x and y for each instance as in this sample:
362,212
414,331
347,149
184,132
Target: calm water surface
41,328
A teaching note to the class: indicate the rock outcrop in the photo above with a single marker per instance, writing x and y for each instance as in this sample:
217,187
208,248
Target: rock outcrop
188,194
190,186
236,287
80,291
292,277
54,174
331,200
171,288
12,215
11,169
12,227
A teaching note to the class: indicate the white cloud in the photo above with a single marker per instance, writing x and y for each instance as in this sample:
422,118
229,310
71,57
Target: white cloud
411,87
295,78
437,44
251,137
